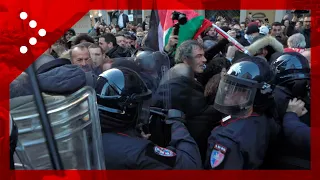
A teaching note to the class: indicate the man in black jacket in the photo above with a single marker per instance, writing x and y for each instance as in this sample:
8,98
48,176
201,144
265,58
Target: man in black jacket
188,93
108,43
122,20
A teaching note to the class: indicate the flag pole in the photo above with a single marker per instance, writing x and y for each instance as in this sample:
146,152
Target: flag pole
231,39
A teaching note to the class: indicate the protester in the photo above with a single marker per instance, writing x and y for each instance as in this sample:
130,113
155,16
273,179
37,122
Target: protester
108,42
80,56
54,76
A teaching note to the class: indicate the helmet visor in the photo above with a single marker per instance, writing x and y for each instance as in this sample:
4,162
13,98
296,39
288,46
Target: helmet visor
234,98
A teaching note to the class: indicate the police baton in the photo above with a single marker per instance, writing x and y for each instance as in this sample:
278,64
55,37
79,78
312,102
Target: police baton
46,126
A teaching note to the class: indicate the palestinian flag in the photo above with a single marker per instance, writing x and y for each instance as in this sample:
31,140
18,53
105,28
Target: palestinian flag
161,26
191,30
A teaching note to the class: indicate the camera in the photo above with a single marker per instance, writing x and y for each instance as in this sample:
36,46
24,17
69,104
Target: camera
180,17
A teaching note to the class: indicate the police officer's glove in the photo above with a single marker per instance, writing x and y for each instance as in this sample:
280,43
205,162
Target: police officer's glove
175,115
297,106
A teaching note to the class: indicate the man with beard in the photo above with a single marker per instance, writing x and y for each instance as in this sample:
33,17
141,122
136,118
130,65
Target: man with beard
188,93
108,43
306,29
277,32
121,40
130,40
210,34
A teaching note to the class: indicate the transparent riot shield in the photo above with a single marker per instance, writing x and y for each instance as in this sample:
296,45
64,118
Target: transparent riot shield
154,66
76,126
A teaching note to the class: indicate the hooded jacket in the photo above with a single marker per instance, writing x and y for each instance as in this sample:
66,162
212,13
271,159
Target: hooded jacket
55,77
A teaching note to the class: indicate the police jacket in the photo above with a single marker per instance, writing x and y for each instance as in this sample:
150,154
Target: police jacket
240,143
296,132
126,150
290,151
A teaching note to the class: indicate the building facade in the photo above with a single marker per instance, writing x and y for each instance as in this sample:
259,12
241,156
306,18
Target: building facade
138,16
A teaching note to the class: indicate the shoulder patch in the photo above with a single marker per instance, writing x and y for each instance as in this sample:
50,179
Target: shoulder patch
217,155
162,155
163,151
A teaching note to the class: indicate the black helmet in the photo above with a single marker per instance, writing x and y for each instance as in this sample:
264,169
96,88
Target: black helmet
152,64
145,60
290,66
247,83
121,95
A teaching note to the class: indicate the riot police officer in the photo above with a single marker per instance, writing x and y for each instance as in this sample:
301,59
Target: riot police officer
123,101
245,95
293,81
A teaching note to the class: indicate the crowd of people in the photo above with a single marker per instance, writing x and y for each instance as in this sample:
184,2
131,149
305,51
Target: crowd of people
228,109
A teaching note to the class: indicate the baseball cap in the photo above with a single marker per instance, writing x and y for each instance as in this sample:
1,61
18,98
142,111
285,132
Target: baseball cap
264,30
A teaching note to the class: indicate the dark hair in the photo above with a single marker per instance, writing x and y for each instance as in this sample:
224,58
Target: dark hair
130,36
72,31
120,34
109,37
87,44
276,24
93,46
82,37
225,28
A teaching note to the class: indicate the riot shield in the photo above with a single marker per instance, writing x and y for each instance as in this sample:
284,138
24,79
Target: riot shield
76,127
154,66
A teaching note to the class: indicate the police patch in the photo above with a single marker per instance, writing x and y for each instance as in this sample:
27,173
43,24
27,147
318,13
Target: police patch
217,155
164,152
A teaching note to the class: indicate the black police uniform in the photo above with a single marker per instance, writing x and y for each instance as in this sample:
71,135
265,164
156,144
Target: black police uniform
292,79
240,143
242,140
128,151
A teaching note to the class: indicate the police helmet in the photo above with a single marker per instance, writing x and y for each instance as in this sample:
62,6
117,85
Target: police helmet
145,60
121,96
290,66
247,82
